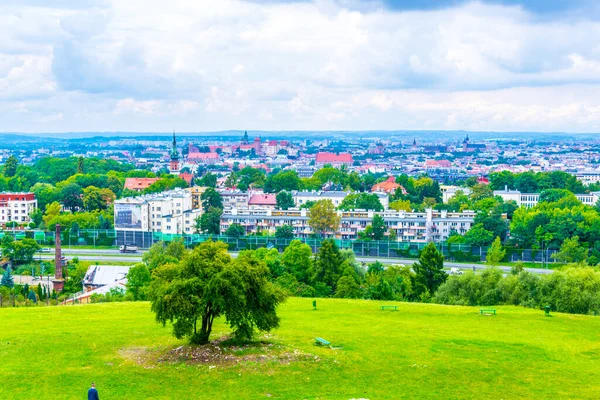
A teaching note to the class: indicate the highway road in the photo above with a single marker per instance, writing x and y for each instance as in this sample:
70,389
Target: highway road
113,255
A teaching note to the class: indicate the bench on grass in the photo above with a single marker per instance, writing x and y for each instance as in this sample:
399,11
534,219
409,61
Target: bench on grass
487,311
322,342
394,308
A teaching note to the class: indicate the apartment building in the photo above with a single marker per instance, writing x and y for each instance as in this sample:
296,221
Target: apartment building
234,198
336,197
409,226
588,177
449,192
532,199
168,212
16,207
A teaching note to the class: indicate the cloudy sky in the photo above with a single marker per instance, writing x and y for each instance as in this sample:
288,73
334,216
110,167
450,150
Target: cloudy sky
205,65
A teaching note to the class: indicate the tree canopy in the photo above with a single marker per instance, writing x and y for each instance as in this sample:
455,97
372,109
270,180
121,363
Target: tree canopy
208,283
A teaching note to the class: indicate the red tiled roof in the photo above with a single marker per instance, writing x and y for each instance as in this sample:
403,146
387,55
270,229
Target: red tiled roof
203,156
262,200
187,177
324,157
438,163
389,186
139,183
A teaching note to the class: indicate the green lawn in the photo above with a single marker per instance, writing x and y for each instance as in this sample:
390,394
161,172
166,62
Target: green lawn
421,351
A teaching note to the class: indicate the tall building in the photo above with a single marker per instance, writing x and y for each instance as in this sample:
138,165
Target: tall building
174,165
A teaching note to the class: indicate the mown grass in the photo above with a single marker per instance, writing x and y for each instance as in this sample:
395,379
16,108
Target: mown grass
421,351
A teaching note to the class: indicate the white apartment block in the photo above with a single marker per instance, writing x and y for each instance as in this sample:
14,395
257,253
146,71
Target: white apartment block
167,212
588,177
409,226
449,192
234,198
336,197
529,200
16,207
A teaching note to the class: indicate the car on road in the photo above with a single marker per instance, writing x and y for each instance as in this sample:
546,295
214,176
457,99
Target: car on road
128,248
455,271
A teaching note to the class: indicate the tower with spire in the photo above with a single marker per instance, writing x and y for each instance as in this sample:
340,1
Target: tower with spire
174,165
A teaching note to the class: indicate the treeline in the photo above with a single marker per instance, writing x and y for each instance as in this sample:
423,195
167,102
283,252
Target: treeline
334,272
571,290
536,182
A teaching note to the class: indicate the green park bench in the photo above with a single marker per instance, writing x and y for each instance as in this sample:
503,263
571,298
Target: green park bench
322,342
394,308
487,311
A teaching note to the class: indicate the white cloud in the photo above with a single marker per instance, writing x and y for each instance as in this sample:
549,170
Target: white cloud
222,64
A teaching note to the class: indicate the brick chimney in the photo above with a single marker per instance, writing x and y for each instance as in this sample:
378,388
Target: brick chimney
58,280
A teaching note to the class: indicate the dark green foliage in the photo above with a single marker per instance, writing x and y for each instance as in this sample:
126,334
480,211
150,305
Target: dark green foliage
326,268
429,270
138,282
7,278
209,180
347,288
571,290
284,200
71,196
284,180
363,201
284,232
10,167
211,199
206,284
379,227
161,253
235,230
210,222
297,260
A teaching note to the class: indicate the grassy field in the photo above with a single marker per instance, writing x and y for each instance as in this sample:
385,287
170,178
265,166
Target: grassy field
421,351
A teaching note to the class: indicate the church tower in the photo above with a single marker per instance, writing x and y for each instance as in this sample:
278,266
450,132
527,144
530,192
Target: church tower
174,165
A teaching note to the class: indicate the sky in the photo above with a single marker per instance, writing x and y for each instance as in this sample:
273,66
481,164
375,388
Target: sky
210,65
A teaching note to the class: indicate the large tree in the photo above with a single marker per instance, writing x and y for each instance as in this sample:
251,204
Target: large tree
71,195
211,199
323,218
210,222
429,270
207,284
379,227
326,268
284,200
10,167
138,281
297,260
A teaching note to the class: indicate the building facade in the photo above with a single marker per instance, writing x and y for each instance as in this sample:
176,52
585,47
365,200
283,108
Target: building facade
408,226
170,212
17,207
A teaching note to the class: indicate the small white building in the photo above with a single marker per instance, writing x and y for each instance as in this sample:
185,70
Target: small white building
98,276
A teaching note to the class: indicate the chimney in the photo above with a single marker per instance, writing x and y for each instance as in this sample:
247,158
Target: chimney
58,281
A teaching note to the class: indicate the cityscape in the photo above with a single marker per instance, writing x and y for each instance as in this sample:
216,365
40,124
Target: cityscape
300,199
